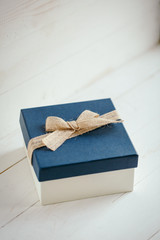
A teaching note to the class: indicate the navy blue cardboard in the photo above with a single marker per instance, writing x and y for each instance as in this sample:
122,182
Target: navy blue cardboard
107,148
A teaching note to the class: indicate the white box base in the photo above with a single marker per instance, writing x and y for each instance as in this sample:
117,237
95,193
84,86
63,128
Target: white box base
86,186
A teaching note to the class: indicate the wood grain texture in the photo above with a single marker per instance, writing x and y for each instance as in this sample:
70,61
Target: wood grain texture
108,27
82,50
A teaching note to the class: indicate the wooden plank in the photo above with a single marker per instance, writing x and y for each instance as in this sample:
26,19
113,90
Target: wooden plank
17,191
101,25
29,17
32,16
12,149
125,78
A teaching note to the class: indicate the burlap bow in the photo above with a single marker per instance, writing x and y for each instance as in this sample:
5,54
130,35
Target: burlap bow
63,130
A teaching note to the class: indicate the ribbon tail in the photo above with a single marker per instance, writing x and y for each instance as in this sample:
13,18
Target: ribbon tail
35,143
57,138
113,117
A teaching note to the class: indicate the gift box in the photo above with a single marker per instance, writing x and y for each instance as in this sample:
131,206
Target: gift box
95,163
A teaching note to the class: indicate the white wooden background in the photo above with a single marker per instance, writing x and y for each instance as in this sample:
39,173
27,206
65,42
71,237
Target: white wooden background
68,50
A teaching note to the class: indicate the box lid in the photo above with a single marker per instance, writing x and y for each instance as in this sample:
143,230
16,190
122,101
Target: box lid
107,148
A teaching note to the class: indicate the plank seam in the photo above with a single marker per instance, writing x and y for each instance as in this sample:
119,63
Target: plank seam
153,235
19,214
12,165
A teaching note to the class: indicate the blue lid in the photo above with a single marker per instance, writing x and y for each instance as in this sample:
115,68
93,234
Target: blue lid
105,149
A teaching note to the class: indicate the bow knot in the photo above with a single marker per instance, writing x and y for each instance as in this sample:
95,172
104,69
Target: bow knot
73,125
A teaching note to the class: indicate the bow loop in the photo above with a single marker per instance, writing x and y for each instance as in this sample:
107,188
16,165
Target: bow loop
56,123
87,114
